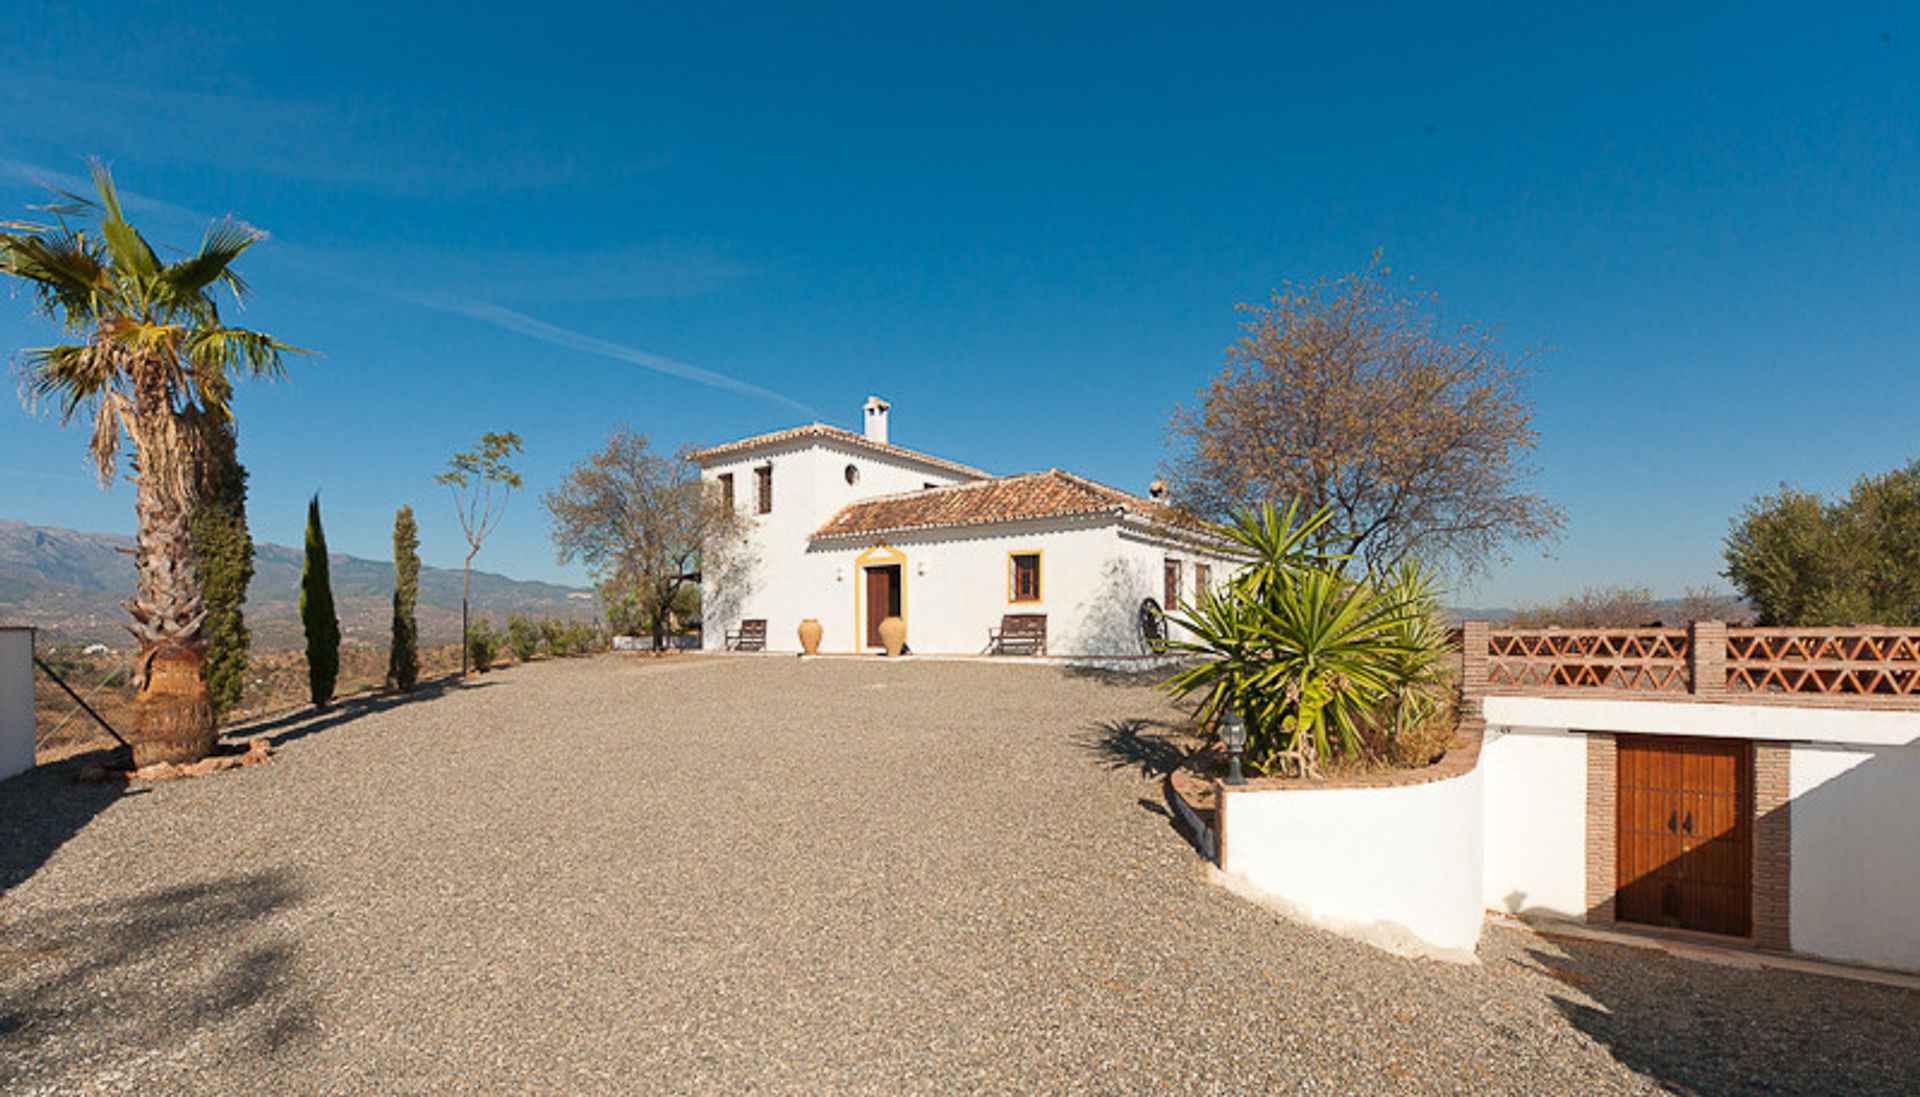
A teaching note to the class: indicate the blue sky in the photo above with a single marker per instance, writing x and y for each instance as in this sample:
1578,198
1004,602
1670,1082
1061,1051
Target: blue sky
1026,229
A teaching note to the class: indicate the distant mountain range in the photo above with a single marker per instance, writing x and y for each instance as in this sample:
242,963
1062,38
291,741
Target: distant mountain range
70,585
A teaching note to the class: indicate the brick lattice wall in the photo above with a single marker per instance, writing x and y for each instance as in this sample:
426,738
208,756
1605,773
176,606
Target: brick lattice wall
1603,874
1772,844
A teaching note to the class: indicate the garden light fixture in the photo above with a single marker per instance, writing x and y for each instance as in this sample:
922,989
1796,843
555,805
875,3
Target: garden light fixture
1233,736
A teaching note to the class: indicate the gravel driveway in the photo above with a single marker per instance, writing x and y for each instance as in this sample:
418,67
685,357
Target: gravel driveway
618,874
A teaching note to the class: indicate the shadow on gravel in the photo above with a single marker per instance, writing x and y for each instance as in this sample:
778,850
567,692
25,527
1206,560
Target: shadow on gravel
300,723
1692,1027
43,807
1147,678
1143,745
150,974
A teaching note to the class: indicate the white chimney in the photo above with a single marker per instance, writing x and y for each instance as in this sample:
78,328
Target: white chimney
876,419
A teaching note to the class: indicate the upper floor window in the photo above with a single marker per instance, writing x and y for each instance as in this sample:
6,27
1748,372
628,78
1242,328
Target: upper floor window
853,474
1024,577
726,489
1202,578
763,489
1173,583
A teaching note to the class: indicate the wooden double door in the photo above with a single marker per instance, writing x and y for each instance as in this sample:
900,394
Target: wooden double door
1685,851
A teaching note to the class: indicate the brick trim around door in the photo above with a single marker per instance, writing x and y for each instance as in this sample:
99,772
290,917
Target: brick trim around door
1772,837
1772,844
1603,809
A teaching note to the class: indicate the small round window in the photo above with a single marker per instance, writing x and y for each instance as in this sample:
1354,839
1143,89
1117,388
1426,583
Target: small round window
853,474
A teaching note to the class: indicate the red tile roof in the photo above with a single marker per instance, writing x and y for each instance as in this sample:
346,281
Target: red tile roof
832,434
1034,495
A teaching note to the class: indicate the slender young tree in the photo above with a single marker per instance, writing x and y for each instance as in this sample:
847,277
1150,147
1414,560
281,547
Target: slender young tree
481,482
316,613
152,360
224,551
403,658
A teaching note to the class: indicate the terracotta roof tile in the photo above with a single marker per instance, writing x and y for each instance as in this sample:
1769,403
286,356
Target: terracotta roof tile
835,434
1034,495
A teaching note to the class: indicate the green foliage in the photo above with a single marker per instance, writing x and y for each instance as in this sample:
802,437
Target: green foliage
403,656
1312,657
582,638
223,549
553,633
523,636
482,644
316,613
1803,561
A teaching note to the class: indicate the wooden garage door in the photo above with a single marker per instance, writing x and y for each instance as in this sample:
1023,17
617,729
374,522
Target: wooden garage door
1685,834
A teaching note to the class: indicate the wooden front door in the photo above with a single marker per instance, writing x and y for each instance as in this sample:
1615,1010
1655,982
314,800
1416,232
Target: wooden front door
1685,850
883,599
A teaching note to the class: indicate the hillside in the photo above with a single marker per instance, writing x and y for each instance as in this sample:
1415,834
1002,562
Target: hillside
70,584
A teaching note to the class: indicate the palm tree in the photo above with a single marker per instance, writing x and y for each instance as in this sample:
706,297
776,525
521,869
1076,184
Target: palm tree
155,363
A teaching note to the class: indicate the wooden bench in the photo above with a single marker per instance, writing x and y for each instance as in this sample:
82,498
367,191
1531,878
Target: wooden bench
750,636
1019,634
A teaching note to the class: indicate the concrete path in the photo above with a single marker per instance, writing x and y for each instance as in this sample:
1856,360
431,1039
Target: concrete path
619,874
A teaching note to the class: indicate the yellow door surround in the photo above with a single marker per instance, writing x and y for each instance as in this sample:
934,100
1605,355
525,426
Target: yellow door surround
880,555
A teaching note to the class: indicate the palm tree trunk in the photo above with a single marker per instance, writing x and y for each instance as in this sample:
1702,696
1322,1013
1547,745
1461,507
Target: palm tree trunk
172,712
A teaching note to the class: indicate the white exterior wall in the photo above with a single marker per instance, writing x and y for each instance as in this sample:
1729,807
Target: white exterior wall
1375,862
1854,889
1854,784
16,701
776,580
956,588
1536,821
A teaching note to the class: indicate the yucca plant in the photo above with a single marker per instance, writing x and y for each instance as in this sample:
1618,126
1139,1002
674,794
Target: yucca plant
1306,653
155,363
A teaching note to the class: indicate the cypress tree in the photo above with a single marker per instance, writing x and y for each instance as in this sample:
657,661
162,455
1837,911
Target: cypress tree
316,613
403,659
224,551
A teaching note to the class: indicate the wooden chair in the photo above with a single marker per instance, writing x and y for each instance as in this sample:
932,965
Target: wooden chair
1019,634
750,636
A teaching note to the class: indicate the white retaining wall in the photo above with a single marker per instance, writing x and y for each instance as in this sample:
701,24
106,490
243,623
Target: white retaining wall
16,700
1379,863
1854,889
1536,833
1854,778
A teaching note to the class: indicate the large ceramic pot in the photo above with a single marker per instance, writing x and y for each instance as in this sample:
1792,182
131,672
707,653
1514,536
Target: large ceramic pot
172,714
893,633
810,631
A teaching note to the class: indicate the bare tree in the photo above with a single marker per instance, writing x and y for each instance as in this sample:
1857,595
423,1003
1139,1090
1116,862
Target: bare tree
1350,394
481,482
1594,607
644,522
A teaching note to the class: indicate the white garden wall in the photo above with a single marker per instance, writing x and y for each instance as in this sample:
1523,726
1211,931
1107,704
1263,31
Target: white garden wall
1536,837
1855,882
16,700
1398,861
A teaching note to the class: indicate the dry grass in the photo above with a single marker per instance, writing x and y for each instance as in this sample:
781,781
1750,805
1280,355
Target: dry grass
278,684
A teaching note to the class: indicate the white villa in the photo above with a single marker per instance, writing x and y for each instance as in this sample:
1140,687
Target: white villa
848,529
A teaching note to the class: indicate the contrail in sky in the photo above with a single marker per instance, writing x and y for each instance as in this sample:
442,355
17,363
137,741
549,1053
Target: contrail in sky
587,344
482,311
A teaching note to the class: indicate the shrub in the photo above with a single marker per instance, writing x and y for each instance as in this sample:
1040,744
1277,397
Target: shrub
581,637
523,636
553,633
482,645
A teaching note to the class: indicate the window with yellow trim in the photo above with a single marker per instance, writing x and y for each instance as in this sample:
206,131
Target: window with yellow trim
1023,577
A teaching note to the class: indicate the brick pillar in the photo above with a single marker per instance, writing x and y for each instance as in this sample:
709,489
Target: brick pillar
1707,658
1474,656
1772,844
1603,874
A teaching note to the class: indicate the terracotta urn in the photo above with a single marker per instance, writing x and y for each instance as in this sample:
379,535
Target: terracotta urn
810,631
893,633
